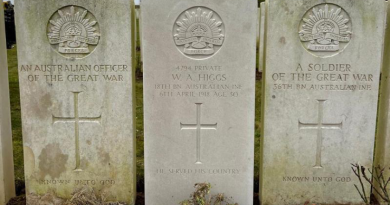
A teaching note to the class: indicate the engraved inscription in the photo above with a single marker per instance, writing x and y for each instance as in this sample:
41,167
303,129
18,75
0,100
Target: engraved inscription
325,29
73,32
319,126
199,32
326,77
75,73
77,120
198,127
85,182
199,81
317,179
199,171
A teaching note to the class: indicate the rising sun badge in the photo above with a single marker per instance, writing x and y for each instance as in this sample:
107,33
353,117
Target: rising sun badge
73,31
325,28
199,32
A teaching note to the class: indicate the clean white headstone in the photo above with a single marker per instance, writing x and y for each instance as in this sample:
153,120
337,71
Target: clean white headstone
199,91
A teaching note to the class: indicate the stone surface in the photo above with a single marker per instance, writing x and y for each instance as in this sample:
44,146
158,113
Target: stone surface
382,143
7,184
262,39
76,84
321,97
199,97
140,34
258,25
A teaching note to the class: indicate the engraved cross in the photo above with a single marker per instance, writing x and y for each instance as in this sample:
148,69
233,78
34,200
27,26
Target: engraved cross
320,126
77,120
198,127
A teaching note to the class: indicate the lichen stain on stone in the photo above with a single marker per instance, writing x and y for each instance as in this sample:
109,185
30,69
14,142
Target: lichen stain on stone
52,161
104,156
42,106
84,162
113,174
286,7
246,27
282,40
29,163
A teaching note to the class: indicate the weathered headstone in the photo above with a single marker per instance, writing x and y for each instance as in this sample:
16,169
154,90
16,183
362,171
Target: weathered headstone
258,24
76,83
7,183
140,36
199,86
382,142
321,92
262,35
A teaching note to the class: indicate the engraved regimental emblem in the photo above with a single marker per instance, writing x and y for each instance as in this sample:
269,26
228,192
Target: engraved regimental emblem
73,32
325,30
199,32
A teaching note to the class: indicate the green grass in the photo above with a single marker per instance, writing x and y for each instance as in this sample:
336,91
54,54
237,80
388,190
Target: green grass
139,126
17,126
16,115
139,115
257,132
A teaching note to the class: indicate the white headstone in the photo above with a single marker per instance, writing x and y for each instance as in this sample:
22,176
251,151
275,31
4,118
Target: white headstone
320,100
382,142
7,183
76,83
262,37
258,24
140,37
199,91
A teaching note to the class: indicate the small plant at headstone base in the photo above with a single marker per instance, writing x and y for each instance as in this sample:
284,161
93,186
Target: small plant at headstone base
82,196
377,176
202,196
88,196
